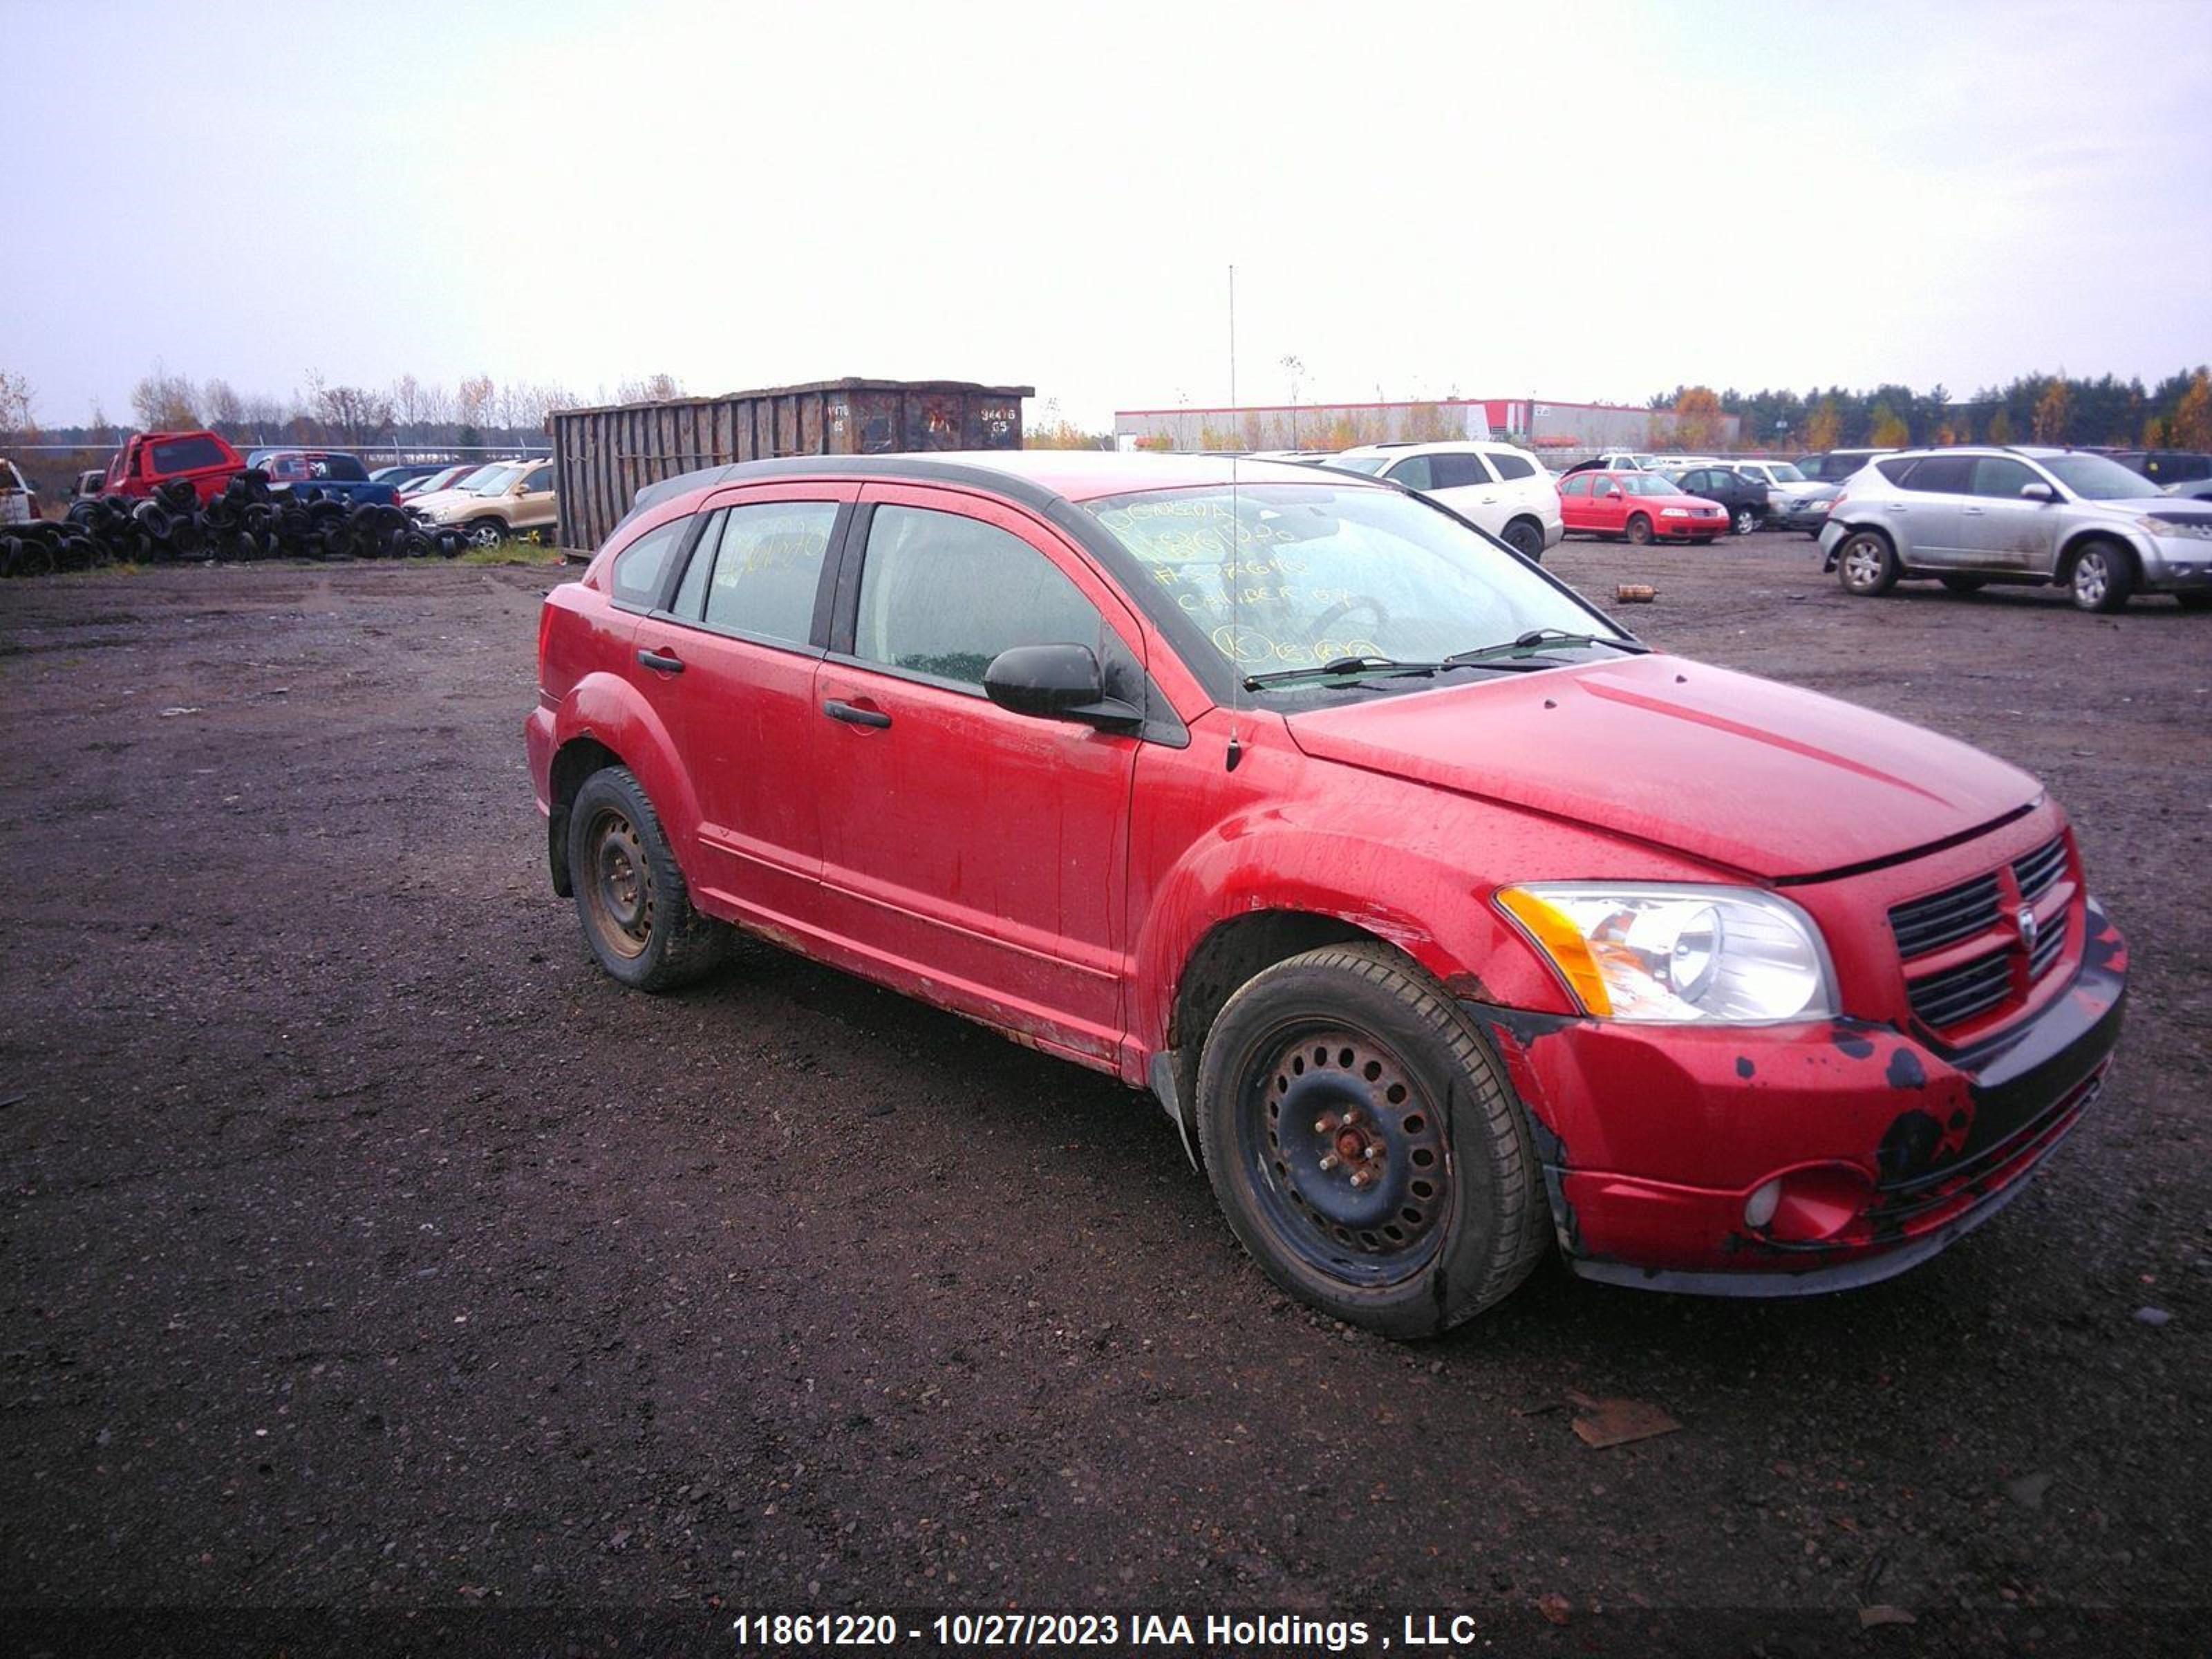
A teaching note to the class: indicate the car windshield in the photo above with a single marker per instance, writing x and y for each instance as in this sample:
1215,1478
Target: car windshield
470,480
493,479
2094,478
1288,576
1367,463
1646,484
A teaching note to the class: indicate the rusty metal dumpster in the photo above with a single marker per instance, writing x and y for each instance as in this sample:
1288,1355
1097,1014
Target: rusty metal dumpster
602,456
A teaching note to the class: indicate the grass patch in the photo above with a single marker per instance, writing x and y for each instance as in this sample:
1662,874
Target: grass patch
513,553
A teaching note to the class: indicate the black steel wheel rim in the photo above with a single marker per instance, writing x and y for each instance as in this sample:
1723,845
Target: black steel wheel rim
1347,1153
619,883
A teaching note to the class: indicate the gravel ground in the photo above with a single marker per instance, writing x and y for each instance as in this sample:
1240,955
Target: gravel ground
363,1247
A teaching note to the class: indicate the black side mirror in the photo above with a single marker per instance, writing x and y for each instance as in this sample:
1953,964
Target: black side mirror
1056,682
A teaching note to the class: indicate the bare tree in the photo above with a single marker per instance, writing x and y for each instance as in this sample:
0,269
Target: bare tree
262,414
406,400
164,401
651,389
356,415
225,410
473,403
15,399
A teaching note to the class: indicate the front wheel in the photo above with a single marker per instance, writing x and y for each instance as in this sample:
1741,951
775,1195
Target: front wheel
1639,529
1743,521
487,532
631,897
1362,1143
1866,564
2103,578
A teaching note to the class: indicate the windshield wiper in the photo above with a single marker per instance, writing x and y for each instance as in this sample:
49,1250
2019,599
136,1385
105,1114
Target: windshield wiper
1537,638
1344,668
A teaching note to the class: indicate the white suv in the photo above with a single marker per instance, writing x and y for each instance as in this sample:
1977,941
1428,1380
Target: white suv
1495,486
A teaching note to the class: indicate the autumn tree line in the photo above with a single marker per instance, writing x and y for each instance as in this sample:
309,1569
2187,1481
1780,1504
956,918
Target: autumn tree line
2043,408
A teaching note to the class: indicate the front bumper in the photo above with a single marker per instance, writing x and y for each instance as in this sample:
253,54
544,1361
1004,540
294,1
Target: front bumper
2177,565
1797,516
1904,1145
1678,529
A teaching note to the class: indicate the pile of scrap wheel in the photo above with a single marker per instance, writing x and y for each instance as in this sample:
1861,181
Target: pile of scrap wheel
246,518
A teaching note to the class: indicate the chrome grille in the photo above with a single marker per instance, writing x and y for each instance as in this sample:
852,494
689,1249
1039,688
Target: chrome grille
2048,944
2037,871
1928,924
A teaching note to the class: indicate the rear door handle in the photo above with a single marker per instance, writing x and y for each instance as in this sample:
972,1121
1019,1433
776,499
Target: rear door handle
1975,512
670,663
838,709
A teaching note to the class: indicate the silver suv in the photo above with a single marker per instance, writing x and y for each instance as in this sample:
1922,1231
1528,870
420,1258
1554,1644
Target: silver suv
1970,516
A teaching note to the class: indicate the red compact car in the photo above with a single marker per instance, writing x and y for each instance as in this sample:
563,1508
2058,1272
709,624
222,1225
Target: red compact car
1448,922
149,459
1641,505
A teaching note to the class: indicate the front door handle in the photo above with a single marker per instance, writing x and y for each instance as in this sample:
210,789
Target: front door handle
670,663
838,709
1971,511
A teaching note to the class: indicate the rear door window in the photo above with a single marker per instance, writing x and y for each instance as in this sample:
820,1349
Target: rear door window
1457,470
1578,484
757,570
941,595
1941,474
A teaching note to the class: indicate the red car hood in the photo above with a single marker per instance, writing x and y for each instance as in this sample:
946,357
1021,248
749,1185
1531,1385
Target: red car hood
1725,767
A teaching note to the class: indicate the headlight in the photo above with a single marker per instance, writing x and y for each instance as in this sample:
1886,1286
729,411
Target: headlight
2171,528
1665,954
1673,512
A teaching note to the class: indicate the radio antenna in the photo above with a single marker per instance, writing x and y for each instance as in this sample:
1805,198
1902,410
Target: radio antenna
1235,749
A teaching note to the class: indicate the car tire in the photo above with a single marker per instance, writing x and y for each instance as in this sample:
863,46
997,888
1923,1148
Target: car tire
1866,564
1965,584
1525,539
486,532
1743,521
2102,577
1340,1050
1639,529
630,895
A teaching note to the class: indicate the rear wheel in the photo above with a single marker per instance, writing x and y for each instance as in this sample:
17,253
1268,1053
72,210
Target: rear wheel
1364,1144
2103,577
1525,539
631,897
1866,564
1639,529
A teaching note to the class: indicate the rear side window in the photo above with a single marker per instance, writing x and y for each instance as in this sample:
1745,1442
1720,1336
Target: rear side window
2001,475
639,567
1512,466
942,595
1457,470
183,454
757,569
1413,473
1941,474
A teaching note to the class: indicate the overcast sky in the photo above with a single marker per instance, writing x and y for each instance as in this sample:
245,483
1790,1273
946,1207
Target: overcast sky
1587,202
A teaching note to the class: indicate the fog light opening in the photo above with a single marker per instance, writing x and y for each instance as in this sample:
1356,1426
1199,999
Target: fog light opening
1807,1205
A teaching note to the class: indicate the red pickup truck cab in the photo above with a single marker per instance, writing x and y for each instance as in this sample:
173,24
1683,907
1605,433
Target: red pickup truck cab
149,459
1448,922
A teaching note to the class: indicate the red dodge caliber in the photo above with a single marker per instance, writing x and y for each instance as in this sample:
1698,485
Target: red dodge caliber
1447,921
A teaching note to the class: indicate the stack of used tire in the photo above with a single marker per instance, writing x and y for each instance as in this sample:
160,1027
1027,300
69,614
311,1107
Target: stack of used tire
245,520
